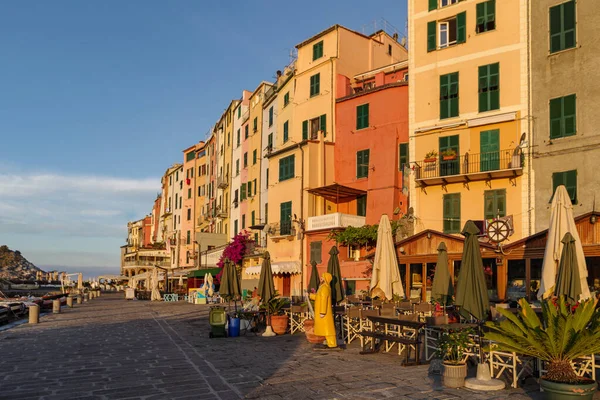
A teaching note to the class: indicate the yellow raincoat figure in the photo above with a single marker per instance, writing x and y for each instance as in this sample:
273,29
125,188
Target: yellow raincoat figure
323,311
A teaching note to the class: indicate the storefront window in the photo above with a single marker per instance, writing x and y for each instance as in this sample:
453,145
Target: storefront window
593,266
535,277
350,287
429,280
416,281
402,268
516,287
491,277
456,271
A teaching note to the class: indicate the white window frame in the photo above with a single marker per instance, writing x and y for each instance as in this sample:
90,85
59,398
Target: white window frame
445,28
446,3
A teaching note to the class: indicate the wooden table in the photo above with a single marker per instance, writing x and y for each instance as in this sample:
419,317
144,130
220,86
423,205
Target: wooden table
392,331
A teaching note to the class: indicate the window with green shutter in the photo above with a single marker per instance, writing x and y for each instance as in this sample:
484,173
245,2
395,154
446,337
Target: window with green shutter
189,193
246,132
323,123
254,157
461,27
243,192
266,213
489,147
286,168
189,237
245,160
249,189
569,180
318,50
489,87
362,163
235,226
563,116
239,112
433,4
285,218
190,156
238,137
315,84
403,156
431,36
255,186
449,166
286,99
253,218
452,213
315,252
362,116
486,16
237,167
449,95
494,205
243,221
361,206
562,26
270,141
305,130
271,116
286,132
255,124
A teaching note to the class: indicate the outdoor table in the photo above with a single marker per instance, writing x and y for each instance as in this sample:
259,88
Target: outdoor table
254,320
392,331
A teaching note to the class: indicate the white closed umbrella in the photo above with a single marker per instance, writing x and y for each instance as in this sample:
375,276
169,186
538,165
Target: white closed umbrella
155,296
386,275
80,281
181,280
561,222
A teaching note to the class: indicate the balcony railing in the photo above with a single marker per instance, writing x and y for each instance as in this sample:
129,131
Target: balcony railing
223,182
469,167
163,263
335,220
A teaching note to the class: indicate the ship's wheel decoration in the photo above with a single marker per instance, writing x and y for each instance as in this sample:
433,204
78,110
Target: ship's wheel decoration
498,230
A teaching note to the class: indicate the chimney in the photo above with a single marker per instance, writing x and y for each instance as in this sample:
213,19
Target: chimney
278,74
395,36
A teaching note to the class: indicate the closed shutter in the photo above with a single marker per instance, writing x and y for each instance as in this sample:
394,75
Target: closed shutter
305,130
569,115
433,4
489,147
431,36
461,27
285,218
494,204
323,123
567,179
403,160
452,213
315,252
243,192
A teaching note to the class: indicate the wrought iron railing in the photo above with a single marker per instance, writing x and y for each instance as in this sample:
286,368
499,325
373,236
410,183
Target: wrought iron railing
469,164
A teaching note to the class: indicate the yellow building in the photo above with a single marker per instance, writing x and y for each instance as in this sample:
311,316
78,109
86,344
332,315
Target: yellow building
224,130
302,154
468,116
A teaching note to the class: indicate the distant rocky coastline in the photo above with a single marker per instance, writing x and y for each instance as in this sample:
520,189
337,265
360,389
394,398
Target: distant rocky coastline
14,266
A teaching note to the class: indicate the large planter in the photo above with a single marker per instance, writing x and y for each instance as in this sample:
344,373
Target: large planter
454,375
309,331
566,391
279,323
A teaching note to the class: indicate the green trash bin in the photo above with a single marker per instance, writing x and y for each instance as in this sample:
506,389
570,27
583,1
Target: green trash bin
217,319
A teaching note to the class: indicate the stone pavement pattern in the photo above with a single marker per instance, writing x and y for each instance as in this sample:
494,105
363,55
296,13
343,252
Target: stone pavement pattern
111,348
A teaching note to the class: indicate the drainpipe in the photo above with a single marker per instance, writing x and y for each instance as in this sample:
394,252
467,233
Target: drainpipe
529,121
301,219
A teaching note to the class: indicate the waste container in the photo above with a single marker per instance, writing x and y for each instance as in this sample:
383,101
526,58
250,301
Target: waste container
217,319
234,327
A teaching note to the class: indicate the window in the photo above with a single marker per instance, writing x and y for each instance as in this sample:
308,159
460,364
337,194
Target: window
361,206
315,82
362,116
255,186
271,116
266,213
315,252
176,202
286,131
316,125
254,157
199,191
362,164
486,16
237,167
267,177
255,124
270,143
318,50
489,87
447,33
238,137
494,204
189,237
239,112
569,180
449,95
449,165
452,213
190,156
286,99
563,116
235,227
489,147
285,218
389,49
228,139
245,159
189,193
253,218
562,26
249,189
444,3
189,214
402,156
235,196
246,132
243,192
243,221
286,168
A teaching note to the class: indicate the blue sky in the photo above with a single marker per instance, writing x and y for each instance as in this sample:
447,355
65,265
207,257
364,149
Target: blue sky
98,98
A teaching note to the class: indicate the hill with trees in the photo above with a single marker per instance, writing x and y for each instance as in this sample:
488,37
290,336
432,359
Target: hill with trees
14,266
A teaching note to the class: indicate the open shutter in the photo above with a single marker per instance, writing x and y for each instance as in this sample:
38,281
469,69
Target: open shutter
305,130
555,118
431,36
569,107
453,92
323,123
570,178
432,4
444,94
461,27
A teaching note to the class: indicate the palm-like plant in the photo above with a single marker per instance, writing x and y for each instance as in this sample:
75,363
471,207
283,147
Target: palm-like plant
566,334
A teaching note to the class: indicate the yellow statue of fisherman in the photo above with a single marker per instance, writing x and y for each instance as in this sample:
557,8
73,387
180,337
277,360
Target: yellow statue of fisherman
324,312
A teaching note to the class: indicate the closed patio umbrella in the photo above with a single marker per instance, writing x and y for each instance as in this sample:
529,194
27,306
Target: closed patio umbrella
386,274
181,281
266,288
230,284
568,282
209,280
441,288
313,283
80,281
471,290
155,296
333,267
561,222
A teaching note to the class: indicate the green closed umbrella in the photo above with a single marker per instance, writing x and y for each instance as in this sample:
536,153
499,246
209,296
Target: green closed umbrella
441,288
568,283
471,290
266,287
313,283
333,267
230,284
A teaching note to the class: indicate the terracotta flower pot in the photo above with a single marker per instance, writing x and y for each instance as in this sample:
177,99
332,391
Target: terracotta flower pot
430,159
309,329
279,323
454,375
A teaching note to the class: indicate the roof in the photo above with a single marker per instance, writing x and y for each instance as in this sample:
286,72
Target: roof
330,29
373,90
199,273
337,193
440,234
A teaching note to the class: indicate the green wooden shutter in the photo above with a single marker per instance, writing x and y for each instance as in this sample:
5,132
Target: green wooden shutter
449,167
315,252
254,156
243,192
555,118
253,218
453,93
451,206
285,217
323,123
461,27
444,97
403,152
255,186
305,130
361,206
569,115
433,4
431,36
286,132
494,204
249,189
571,184
489,147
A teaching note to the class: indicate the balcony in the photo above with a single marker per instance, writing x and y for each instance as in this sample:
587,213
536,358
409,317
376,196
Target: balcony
221,212
470,167
223,182
282,230
335,220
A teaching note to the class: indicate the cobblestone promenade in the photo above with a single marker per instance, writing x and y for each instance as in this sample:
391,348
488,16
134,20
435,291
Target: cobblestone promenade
110,348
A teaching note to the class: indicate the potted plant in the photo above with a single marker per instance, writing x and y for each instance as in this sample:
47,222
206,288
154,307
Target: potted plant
449,154
279,320
452,347
431,156
566,333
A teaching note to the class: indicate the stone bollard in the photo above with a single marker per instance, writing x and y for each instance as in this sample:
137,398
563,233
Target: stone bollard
85,297
34,314
98,293
56,306
70,301
79,299
91,295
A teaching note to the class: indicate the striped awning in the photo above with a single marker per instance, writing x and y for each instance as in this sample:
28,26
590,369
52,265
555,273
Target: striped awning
282,267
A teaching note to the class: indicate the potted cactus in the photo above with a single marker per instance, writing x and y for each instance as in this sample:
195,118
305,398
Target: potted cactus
565,334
